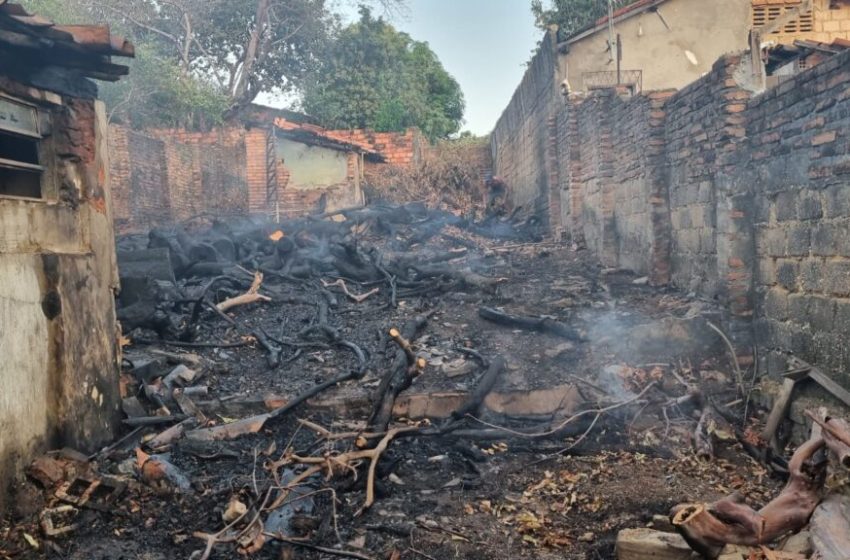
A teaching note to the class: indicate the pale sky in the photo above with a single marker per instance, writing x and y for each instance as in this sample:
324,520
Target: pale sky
484,44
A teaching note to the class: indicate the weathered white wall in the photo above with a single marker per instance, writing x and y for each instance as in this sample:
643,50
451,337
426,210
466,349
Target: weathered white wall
58,334
312,166
24,347
705,29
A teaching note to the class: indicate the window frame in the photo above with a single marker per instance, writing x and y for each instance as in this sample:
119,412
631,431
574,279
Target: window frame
44,151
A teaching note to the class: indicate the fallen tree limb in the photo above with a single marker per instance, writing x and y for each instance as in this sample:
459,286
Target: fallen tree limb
253,295
708,527
354,297
310,393
482,388
836,434
535,324
397,379
345,462
273,352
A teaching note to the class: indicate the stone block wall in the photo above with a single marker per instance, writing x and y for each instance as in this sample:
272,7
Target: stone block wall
700,124
520,140
799,169
735,195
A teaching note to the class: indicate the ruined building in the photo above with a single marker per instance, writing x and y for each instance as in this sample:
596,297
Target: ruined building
58,334
272,163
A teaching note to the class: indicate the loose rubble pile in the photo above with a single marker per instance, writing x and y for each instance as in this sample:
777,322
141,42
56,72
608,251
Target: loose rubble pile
397,382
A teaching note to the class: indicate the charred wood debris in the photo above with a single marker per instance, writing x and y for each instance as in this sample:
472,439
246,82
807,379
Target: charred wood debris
357,291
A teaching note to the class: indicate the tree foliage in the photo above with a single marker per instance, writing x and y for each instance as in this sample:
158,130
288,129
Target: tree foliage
199,61
373,76
570,15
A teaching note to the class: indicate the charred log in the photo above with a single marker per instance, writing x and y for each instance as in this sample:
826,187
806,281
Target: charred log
709,527
535,324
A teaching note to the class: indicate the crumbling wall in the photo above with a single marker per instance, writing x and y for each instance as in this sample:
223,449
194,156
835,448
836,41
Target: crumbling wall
162,177
521,138
59,380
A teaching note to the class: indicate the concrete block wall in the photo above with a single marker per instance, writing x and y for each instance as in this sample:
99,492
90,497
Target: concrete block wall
520,141
798,168
739,197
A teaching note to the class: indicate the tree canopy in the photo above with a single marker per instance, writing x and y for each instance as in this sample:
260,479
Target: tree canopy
373,76
199,61
570,15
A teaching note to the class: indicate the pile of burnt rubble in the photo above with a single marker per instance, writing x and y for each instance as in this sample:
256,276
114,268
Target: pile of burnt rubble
352,292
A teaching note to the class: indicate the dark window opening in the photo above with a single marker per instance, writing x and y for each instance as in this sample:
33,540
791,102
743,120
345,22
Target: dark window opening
20,172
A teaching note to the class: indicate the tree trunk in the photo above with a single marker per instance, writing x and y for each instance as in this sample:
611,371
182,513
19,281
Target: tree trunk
252,52
708,527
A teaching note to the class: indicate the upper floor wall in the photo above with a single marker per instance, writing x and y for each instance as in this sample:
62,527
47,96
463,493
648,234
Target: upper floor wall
668,46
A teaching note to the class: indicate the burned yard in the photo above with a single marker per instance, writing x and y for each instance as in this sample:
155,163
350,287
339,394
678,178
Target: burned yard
344,327
397,382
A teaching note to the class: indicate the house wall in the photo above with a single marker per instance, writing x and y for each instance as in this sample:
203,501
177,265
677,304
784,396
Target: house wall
59,380
321,180
312,166
658,43
827,23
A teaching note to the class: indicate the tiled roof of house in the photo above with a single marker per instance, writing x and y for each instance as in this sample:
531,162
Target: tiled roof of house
85,48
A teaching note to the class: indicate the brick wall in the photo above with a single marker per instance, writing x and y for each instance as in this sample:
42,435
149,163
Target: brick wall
521,139
397,148
161,177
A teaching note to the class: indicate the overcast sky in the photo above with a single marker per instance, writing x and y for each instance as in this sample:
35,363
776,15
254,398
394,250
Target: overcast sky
484,44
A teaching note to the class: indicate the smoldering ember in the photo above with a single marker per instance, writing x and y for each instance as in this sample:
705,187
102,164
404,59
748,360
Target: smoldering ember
342,326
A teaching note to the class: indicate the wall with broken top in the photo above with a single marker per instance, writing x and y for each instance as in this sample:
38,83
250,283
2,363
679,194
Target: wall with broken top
717,189
59,343
165,177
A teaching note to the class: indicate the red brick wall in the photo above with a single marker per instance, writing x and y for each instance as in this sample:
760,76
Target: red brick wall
397,148
262,171
162,177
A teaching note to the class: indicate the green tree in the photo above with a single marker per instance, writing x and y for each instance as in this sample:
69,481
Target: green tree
373,76
199,61
570,15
